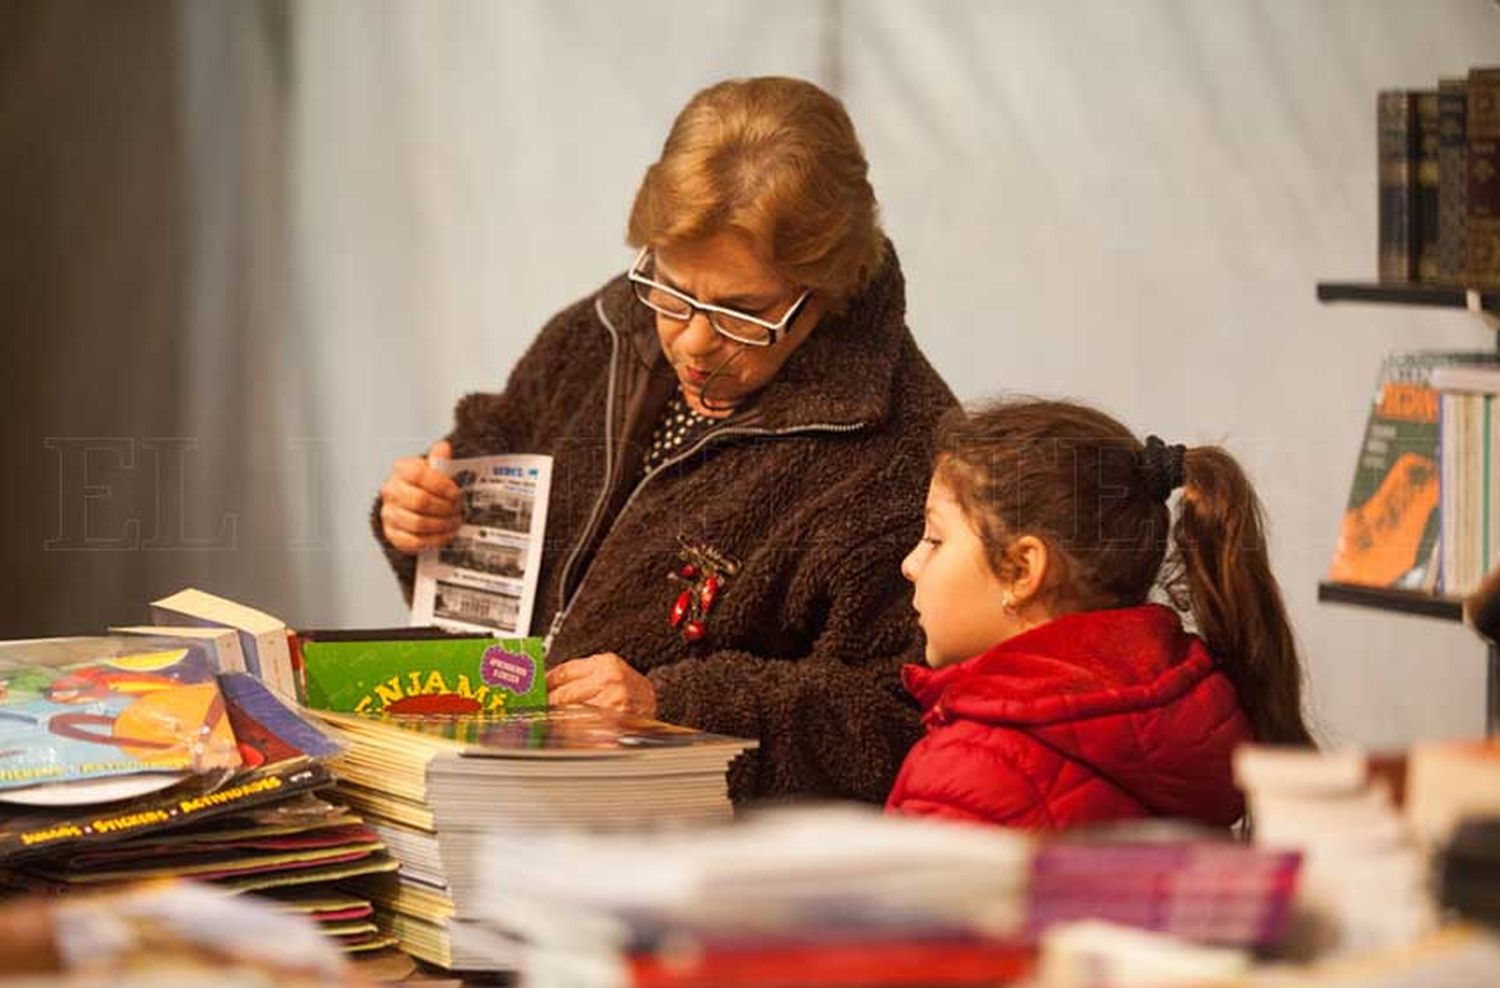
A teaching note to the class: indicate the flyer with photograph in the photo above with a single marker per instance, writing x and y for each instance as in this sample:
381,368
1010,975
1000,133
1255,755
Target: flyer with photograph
486,578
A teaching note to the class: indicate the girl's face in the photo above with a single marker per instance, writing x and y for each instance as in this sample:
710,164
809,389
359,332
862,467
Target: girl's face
957,595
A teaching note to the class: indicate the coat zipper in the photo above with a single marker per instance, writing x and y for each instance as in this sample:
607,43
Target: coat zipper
563,602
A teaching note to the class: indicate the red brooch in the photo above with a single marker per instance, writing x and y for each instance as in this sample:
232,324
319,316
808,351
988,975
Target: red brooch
705,570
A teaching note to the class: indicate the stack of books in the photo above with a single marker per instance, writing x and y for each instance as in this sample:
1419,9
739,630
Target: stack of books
1448,781
833,895
433,786
1203,891
161,766
1364,881
1097,954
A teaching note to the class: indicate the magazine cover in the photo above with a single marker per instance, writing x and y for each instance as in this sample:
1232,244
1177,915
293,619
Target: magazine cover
1389,533
93,708
486,578
280,754
439,673
553,732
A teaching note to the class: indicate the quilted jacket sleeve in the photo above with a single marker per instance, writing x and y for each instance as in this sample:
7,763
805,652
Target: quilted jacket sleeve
958,774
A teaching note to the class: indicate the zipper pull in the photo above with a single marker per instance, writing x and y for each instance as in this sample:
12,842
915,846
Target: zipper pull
557,620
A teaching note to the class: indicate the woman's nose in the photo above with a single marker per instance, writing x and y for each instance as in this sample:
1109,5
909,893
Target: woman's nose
698,336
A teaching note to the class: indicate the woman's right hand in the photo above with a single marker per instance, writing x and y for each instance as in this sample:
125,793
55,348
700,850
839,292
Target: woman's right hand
420,506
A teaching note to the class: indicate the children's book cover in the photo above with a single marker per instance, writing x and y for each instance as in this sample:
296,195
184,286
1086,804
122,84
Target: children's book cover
280,754
203,797
398,672
93,708
1389,533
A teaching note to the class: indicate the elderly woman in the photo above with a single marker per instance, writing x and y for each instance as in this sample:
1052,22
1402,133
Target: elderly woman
741,426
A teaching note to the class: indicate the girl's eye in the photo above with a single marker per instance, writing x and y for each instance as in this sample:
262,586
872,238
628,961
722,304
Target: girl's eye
931,541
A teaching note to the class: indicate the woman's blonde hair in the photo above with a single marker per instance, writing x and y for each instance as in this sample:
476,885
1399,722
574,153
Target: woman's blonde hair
777,160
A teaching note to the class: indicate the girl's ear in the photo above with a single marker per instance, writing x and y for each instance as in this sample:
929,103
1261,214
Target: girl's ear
1029,559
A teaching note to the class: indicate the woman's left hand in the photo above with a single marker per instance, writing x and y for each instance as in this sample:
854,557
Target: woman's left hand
603,680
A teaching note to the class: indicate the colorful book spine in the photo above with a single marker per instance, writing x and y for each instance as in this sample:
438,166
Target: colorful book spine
201,799
1397,148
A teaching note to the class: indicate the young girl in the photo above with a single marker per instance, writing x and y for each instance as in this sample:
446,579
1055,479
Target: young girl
1056,695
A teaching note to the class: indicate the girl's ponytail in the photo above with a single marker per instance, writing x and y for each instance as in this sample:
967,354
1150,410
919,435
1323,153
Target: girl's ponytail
1220,546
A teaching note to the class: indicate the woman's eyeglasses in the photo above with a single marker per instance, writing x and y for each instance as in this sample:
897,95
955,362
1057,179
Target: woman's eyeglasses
740,327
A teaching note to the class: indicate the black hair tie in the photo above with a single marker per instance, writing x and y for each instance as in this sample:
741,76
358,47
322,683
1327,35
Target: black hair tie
1161,467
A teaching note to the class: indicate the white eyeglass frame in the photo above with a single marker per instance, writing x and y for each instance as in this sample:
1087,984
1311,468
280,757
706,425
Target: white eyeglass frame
774,330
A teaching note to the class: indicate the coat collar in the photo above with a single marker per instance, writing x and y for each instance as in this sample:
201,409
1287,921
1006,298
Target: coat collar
842,374
1079,665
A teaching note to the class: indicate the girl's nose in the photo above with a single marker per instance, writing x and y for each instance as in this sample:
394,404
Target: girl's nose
909,564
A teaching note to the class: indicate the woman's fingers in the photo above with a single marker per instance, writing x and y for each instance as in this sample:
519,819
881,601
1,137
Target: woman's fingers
408,521
417,500
416,472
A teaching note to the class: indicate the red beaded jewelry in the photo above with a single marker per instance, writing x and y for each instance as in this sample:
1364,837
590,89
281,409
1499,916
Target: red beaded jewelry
705,570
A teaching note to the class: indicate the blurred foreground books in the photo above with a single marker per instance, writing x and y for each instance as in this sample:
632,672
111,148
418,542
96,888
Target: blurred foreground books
434,786
845,895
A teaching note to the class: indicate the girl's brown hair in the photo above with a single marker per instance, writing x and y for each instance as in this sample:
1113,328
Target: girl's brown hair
777,160
1080,481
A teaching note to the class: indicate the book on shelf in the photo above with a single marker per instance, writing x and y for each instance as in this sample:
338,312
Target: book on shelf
1453,180
263,638
1396,129
1483,219
1389,533
417,671
1426,198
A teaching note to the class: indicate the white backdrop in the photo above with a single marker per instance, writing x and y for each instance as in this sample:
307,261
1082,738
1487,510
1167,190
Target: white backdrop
1126,201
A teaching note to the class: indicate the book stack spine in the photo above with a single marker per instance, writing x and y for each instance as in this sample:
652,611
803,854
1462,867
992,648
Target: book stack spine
1425,199
1397,137
1483,126
1453,180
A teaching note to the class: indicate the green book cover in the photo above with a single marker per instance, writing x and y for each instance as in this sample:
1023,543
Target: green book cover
1388,536
404,674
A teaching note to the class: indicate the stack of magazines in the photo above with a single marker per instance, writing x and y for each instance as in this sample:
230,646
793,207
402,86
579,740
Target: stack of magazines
836,895
1365,882
125,758
433,786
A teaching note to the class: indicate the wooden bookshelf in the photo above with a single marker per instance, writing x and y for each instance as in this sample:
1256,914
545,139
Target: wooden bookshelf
1432,296
1400,601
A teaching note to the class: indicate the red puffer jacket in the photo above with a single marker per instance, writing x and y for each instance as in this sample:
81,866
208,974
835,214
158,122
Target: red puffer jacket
1093,716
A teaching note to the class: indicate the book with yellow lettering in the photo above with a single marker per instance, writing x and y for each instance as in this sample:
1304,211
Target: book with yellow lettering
421,671
280,757
1389,535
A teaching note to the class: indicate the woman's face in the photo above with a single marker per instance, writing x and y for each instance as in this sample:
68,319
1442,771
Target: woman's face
958,597
716,373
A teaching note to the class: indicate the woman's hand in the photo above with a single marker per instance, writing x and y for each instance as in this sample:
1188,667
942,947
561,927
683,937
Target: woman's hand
420,505
603,680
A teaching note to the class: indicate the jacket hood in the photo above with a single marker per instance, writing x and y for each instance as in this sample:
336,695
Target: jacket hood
1126,693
